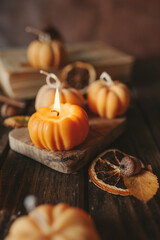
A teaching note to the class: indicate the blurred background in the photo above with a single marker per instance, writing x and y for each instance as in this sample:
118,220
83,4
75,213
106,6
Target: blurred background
130,25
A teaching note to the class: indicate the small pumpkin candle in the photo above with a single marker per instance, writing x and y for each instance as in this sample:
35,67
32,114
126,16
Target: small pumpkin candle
45,52
108,98
58,127
46,94
51,222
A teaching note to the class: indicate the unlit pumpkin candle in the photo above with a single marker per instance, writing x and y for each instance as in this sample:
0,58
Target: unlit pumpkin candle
46,94
45,52
108,98
53,222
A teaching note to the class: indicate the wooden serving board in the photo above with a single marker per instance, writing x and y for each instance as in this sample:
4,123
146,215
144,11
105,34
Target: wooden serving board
101,134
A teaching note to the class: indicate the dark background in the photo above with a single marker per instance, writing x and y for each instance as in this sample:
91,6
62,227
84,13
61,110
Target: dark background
130,25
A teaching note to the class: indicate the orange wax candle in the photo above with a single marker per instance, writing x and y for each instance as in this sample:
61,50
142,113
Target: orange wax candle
108,98
62,129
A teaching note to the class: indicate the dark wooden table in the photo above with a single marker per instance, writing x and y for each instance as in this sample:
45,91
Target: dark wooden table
116,217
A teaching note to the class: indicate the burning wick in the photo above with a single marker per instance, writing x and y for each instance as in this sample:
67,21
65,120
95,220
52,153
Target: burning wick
56,107
30,204
56,112
56,84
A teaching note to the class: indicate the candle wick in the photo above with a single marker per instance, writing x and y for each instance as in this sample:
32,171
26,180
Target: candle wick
107,78
56,112
44,72
43,36
56,83
30,204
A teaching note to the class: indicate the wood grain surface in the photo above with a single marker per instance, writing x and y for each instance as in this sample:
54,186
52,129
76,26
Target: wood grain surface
116,217
102,133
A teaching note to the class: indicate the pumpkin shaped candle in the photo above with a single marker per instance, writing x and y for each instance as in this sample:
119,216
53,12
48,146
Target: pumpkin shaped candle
45,52
108,98
53,222
46,94
58,127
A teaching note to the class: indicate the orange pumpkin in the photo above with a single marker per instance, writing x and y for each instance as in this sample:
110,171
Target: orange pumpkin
46,94
51,222
108,98
45,52
62,132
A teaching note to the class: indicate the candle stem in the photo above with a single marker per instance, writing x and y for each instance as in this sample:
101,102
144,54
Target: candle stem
55,84
107,78
30,204
43,37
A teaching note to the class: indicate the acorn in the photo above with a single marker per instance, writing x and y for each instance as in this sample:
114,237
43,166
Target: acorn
130,166
9,111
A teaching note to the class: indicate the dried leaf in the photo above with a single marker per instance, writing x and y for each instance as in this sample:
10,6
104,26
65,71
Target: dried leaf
143,185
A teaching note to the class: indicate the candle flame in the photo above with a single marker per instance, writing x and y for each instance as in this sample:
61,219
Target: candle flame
56,106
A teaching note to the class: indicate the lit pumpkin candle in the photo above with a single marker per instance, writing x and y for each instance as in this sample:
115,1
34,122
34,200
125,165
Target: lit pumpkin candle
59,126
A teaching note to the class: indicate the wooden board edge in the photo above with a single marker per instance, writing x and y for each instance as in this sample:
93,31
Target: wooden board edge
109,139
70,166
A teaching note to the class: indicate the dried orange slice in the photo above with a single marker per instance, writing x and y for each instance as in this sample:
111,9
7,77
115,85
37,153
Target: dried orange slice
16,121
105,172
79,75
